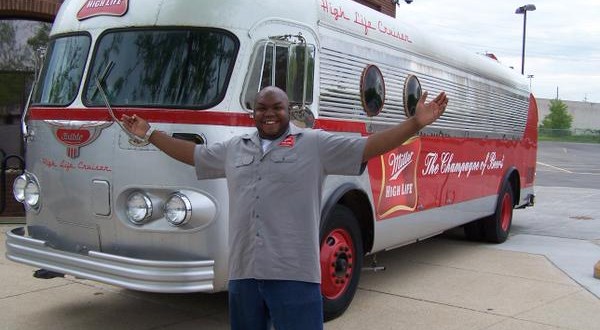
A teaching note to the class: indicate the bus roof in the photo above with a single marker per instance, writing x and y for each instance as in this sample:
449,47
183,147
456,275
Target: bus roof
241,16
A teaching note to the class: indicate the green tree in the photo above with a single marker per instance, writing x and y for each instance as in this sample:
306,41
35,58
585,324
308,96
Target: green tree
41,37
558,118
15,55
38,44
12,57
17,63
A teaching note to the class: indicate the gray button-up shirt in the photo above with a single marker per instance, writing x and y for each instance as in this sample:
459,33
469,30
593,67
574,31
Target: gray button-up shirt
275,198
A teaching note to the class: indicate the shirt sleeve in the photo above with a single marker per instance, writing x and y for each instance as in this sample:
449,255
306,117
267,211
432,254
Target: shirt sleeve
341,154
210,161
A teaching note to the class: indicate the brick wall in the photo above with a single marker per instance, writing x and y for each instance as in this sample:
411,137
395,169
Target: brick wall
12,208
385,6
42,10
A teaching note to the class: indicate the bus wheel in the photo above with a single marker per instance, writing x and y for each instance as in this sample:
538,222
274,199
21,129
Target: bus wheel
341,261
497,226
474,230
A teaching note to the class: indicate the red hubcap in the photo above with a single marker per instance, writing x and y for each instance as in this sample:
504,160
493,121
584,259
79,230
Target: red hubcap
337,259
506,214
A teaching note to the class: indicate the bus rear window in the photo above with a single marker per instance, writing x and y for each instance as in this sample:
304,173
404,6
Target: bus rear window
162,68
63,68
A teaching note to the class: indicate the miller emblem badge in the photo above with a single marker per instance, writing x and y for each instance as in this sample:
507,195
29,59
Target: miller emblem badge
75,137
394,179
288,142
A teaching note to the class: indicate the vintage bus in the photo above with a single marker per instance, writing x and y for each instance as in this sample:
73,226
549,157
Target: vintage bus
104,206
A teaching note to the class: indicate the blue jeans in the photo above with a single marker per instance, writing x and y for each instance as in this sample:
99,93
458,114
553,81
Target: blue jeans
258,304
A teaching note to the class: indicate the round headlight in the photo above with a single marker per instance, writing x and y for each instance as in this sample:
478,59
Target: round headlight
139,208
19,187
32,193
178,209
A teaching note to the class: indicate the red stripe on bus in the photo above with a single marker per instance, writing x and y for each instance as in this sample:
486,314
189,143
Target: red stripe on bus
173,116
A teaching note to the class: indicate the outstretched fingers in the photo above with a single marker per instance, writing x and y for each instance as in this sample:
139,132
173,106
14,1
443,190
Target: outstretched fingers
422,99
135,124
429,112
442,100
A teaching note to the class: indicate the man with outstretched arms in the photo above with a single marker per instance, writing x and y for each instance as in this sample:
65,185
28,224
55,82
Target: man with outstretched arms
275,177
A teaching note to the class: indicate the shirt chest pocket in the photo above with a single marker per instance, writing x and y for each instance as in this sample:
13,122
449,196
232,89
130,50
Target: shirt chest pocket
283,166
243,160
241,171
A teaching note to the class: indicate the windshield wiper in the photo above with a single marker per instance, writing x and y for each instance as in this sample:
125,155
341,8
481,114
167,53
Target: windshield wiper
133,140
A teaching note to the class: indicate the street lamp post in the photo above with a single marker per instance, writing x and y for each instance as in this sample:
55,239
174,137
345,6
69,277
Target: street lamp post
530,76
523,10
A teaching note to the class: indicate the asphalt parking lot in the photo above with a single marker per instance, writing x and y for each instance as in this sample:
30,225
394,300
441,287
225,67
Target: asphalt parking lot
541,278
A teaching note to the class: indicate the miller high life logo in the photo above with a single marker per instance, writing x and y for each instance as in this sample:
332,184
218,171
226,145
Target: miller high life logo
93,8
76,137
288,142
394,179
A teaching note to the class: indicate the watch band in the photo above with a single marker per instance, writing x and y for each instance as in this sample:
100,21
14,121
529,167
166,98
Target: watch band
149,133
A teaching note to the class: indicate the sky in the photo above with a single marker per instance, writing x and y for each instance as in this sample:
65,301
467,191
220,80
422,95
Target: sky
562,40
562,48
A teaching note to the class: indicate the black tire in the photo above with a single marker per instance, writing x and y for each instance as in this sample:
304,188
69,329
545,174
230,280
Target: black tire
474,230
497,226
341,261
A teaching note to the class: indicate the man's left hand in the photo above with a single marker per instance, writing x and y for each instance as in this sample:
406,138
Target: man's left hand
427,113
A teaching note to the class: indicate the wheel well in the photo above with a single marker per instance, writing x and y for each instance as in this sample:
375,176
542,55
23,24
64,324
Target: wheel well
515,182
358,202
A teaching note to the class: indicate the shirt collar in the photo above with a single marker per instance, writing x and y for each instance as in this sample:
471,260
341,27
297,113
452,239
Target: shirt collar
292,130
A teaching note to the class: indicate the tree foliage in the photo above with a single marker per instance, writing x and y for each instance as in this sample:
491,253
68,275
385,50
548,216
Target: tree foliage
41,37
559,117
16,54
12,56
18,61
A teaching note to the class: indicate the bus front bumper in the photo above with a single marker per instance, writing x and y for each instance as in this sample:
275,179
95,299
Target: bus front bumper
136,274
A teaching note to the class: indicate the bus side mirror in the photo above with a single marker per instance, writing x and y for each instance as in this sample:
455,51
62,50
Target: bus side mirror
300,73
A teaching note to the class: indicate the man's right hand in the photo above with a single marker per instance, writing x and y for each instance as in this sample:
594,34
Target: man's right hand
136,125
181,150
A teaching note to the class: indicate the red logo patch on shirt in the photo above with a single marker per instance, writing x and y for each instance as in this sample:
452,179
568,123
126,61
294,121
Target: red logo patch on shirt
288,141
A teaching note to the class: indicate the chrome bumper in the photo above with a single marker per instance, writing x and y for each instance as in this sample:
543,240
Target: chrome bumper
131,273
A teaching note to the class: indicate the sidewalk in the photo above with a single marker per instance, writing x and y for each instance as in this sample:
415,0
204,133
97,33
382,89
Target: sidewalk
541,278
452,284
441,283
12,220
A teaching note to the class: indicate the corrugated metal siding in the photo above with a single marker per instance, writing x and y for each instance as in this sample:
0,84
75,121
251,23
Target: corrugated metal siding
478,107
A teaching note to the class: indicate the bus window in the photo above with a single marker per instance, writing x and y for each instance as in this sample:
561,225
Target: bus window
63,69
372,90
412,94
285,64
275,67
163,68
301,72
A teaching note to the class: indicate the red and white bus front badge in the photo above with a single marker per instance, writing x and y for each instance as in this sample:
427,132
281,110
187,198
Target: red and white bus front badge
76,137
93,8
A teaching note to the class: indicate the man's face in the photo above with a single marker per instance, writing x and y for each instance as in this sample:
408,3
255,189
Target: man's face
271,115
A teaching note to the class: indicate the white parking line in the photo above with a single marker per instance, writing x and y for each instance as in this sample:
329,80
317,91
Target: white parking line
554,167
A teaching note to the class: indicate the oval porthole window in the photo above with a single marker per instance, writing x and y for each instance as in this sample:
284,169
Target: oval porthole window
372,90
412,94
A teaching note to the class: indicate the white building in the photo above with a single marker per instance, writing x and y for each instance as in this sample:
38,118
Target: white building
586,115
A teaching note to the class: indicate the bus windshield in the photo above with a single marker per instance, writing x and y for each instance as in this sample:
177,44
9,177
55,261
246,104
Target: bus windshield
162,68
63,69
